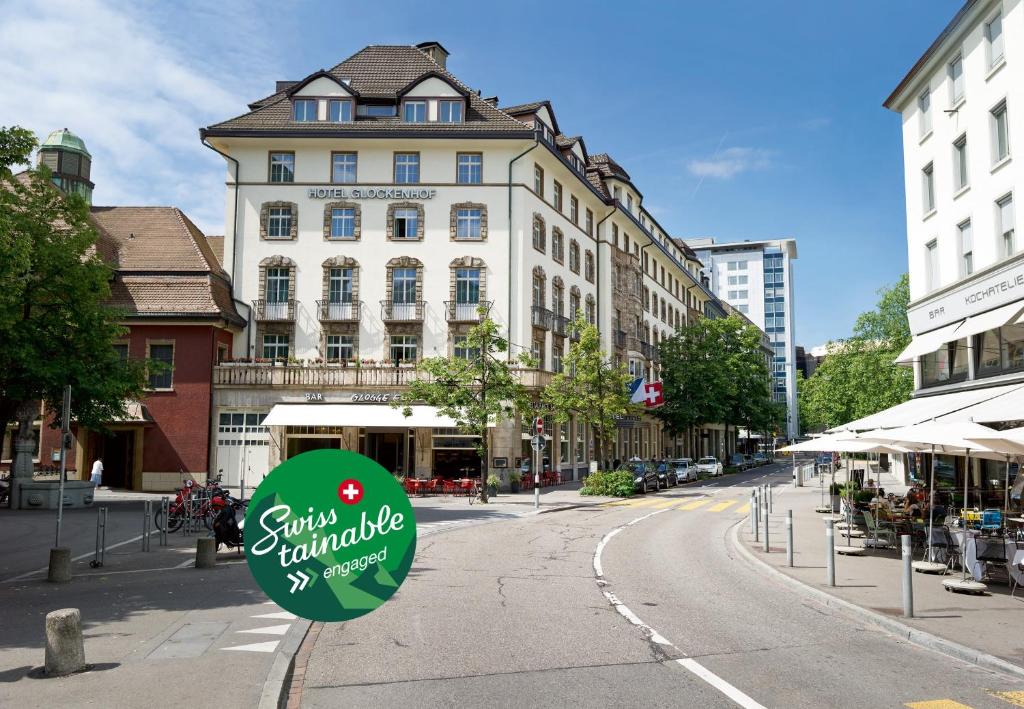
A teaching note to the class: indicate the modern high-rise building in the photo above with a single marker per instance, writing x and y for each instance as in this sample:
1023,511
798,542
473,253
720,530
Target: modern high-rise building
756,278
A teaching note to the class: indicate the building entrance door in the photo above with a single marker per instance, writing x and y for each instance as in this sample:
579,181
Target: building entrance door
391,449
118,459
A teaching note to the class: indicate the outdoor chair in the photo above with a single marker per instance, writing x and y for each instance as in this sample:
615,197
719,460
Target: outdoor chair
448,487
410,486
1020,568
879,530
991,521
954,555
991,551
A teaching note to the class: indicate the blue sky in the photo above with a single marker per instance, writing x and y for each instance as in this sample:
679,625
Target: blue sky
737,119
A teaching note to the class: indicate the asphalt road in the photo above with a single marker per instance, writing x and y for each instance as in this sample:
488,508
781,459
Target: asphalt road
513,614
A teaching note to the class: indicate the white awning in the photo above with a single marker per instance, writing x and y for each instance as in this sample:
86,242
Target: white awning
363,415
929,342
990,320
924,408
1008,405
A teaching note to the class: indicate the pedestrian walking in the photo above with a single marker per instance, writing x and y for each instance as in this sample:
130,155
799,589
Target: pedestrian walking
96,477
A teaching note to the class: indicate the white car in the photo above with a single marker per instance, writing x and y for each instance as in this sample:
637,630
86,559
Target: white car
685,471
709,466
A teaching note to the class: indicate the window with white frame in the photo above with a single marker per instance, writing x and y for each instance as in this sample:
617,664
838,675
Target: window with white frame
304,110
924,112
966,238
339,111
738,294
462,350
339,286
928,188
343,223
1000,132
994,39
956,80
736,265
931,264
556,195
277,284
1006,226
406,223
414,111
282,167
574,256
403,286
589,266
467,291
407,168
556,358
275,346
468,222
403,348
343,168
279,223
469,168
737,280
449,111
340,347
162,376
574,209
961,177
538,180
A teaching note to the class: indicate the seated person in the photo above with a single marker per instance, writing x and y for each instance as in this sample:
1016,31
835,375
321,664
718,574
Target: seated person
911,508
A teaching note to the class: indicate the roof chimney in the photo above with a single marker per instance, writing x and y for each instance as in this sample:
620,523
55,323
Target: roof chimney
435,51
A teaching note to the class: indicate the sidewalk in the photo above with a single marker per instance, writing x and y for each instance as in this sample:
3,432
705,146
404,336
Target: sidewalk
990,624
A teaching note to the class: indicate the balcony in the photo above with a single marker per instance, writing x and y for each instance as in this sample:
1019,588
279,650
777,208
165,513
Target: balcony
645,348
317,377
339,312
467,312
692,315
282,311
560,325
620,338
541,317
395,312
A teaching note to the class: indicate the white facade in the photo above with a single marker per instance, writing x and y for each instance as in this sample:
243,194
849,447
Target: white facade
962,109
756,278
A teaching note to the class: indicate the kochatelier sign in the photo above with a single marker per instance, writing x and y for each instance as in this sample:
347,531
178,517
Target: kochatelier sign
371,193
1000,288
330,535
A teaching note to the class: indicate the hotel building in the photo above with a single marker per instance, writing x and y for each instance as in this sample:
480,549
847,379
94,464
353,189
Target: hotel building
371,208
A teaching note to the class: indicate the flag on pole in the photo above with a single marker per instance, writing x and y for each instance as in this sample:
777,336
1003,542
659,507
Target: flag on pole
650,394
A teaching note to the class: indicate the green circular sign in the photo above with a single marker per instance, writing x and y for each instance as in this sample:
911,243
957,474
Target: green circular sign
329,535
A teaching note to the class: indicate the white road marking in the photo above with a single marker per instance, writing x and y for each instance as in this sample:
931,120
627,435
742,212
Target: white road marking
283,615
690,664
269,630
45,569
268,646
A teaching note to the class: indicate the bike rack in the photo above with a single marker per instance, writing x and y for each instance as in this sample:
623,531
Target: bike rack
101,538
165,511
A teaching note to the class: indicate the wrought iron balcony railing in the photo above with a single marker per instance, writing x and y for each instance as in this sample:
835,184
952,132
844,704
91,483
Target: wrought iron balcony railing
274,311
394,311
339,312
467,312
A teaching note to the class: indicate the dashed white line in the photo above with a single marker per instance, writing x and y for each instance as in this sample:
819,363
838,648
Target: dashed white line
688,663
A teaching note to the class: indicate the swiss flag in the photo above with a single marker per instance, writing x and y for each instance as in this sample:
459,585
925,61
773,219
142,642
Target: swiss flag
654,395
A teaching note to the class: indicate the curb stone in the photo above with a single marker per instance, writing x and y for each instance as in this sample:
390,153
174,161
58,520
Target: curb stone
894,627
275,688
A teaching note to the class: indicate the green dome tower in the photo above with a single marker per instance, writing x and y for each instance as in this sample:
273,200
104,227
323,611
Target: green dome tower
65,154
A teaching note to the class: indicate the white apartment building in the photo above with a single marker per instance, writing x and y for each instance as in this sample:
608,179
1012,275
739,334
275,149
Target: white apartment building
961,106
756,278
372,208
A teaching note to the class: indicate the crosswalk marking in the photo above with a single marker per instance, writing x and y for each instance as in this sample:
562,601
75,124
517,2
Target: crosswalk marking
1014,698
269,630
695,504
722,506
268,646
667,503
644,502
743,510
283,615
937,704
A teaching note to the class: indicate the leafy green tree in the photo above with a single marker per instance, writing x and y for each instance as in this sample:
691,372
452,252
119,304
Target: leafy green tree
858,376
591,386
474,391
56,327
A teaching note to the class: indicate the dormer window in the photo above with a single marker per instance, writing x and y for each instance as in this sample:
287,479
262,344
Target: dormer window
377,111
449,111
415,112
339,111
304,110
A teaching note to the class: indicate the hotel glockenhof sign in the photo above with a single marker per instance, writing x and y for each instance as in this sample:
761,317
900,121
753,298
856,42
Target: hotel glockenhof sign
371,193
980,296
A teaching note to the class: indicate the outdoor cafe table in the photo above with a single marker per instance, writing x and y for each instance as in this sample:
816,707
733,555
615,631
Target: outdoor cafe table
1014,557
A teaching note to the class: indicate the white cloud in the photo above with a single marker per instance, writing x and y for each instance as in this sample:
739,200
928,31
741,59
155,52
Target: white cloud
728,163
136,83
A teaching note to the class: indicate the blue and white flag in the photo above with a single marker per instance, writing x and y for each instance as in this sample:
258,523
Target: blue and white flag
637,391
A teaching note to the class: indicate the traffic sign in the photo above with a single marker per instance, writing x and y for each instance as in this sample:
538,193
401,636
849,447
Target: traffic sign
538,443
538,425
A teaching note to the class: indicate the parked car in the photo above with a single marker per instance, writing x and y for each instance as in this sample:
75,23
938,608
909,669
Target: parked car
761,459
825,459
685,469
749,460
645,477
709,465
738,461
667,475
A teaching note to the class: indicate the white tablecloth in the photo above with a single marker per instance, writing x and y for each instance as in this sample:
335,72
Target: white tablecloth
1014,558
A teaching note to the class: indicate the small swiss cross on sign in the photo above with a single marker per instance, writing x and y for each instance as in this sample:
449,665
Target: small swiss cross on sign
350,491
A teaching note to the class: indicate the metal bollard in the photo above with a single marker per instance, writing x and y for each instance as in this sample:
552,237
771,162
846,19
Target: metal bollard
101,538
753,513
146,515
165,511
789,538
908,576
757,517
766,549
830,557
771,499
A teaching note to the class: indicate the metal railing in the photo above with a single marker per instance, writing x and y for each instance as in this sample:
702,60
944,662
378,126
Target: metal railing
467,312
620,338
541,317
394,311
339,312
349,375
270,311
560,325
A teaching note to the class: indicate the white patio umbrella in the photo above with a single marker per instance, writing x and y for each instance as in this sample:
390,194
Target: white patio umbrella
1010,442
953,437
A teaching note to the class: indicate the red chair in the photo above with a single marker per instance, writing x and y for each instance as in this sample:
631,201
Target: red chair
468,487
448,487
410,486
526,482
430,486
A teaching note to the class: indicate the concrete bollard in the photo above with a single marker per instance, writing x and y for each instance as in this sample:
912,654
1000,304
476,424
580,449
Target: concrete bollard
908,575
60,565
830,558
789,538
65,651
206,553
